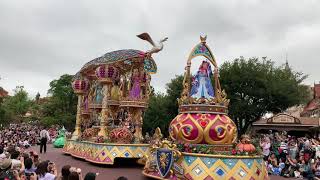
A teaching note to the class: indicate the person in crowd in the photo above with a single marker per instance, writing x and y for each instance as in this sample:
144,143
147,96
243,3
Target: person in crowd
265,145
46,170
65,171
2,154
91,176
26,143
5,167
29,168
75,174
44,138
15,158
317,170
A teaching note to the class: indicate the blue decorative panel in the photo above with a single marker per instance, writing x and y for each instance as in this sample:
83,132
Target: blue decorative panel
208,161
248,162
230,162
189,159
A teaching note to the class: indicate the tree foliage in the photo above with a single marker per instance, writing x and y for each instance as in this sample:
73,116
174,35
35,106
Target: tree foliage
62,105
163,107
257,87
13,108
156,114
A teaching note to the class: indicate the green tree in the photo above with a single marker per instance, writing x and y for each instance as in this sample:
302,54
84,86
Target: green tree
3,119
257,87
63,95
156,114
16,106
174,89
62,105
163,108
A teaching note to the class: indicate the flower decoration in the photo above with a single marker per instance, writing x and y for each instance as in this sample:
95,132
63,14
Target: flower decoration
208,149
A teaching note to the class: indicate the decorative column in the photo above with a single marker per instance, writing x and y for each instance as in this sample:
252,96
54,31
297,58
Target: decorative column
138,125
106,75
77,131
80,87
104,111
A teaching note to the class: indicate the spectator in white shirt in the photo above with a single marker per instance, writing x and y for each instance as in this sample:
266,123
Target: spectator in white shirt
26,143
265,145
44,138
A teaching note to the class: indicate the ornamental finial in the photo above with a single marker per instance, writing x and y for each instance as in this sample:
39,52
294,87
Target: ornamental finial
203,38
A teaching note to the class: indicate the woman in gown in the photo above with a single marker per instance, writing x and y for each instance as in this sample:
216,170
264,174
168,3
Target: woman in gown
136,88
59,142
201,84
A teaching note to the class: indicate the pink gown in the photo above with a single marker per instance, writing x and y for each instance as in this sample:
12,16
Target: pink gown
135,90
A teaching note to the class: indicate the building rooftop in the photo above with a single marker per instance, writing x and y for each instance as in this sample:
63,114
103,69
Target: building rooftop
3,93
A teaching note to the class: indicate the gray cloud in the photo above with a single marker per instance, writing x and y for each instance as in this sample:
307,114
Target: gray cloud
41,40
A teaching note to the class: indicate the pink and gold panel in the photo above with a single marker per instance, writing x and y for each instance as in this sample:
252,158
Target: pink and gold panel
203,129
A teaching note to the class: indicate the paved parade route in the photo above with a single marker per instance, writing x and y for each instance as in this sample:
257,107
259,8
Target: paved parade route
126,167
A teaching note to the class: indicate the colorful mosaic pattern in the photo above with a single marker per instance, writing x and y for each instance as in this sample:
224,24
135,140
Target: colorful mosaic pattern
104,153
224,167
150,66
199,167
120,55
201,50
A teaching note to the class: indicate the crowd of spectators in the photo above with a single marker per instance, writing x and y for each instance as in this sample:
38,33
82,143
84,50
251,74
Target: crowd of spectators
23,135
291,156
19,165
17,162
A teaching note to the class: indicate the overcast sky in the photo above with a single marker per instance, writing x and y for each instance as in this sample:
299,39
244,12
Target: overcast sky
43,39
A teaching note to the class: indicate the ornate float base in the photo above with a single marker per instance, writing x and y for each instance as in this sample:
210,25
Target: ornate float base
103,153
210,167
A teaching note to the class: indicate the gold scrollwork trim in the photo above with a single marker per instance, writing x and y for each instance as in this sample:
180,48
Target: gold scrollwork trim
199,138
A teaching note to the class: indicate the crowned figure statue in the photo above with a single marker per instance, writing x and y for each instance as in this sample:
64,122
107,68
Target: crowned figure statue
201,82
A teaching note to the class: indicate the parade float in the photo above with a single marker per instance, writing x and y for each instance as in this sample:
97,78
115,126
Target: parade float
203,139
113,92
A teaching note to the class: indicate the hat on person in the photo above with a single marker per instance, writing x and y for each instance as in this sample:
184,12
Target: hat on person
5,163
90,176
